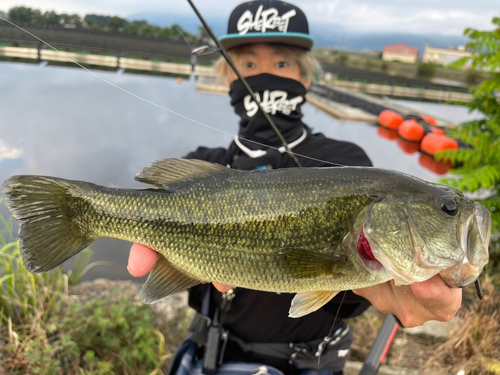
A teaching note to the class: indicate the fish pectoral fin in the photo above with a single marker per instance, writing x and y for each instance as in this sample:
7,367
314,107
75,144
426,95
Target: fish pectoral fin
165,280
303,263
308,302
167,172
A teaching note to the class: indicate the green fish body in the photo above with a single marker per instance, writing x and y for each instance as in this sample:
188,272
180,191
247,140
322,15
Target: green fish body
311,231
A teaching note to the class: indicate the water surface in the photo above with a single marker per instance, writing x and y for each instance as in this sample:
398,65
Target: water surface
64,122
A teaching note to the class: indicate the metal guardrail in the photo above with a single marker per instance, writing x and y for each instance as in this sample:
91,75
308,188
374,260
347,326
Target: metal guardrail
117,62
355,75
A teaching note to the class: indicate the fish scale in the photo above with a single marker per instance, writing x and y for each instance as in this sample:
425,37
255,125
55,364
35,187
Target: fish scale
195,247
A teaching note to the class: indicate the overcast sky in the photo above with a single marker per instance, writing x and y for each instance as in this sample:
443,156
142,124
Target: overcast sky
447,17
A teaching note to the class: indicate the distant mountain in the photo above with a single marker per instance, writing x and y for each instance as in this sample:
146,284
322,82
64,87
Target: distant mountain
377,41
325,35
2,14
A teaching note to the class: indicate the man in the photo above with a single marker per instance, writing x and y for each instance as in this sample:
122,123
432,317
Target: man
270,44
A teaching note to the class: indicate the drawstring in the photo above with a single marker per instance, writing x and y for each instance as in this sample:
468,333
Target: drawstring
258,153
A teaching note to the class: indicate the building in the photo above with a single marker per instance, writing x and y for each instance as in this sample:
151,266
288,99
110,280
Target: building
444,56
400,52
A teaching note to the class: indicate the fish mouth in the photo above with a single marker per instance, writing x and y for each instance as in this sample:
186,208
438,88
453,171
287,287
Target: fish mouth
474,240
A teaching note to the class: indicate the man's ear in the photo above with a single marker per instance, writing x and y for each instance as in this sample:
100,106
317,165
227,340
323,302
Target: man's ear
307,83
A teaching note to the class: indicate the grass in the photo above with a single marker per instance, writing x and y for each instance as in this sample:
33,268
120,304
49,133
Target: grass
45,331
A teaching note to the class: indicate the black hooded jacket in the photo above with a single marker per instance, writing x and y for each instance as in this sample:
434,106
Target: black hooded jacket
262,316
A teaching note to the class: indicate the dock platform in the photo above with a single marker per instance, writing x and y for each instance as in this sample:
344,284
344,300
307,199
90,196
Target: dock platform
338,102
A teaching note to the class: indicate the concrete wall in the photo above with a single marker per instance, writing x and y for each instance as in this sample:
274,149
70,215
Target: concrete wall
388,56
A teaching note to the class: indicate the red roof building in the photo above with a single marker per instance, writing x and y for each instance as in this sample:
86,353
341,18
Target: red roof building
400,52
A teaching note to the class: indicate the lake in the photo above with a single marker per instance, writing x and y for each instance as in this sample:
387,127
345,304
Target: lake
65,122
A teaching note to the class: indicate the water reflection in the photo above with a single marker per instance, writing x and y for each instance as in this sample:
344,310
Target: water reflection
64,122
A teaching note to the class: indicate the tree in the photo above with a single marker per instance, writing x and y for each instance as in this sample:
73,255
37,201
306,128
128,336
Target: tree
116,23
50,18
131,28
203,34
166,32
71,19
342,59
180,33
96,21
21,14
146,30
479,166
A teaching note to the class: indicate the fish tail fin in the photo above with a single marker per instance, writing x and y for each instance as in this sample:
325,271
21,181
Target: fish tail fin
50,221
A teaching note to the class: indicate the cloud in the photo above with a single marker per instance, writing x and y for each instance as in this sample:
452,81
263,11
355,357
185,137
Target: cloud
424,16
9,152
422,19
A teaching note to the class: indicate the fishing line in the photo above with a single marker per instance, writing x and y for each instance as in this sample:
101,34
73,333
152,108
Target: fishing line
328,338
162,107
337,314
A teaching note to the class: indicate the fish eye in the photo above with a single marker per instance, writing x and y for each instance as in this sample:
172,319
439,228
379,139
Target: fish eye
449,206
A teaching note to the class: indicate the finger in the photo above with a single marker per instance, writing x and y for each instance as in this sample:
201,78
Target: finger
430,290
141,260
222,287
440,300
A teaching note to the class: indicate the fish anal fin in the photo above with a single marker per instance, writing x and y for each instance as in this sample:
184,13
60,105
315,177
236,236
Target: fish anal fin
303,263
307,302
167,172
165,280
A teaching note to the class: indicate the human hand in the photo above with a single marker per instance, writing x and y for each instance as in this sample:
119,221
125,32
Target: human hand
416,303
142,260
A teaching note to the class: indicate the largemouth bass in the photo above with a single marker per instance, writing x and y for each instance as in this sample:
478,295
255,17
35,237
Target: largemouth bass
310,231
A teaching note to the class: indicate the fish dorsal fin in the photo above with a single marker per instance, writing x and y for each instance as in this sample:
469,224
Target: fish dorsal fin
167,172
165,280
308,302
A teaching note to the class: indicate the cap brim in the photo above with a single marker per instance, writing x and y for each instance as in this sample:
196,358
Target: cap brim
295,39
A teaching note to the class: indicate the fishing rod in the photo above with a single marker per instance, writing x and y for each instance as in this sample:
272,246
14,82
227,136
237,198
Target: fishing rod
388,331
226,56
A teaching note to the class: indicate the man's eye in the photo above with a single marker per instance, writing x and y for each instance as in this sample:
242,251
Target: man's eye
282,64
249,64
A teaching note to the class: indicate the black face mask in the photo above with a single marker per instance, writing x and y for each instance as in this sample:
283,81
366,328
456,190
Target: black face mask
280,97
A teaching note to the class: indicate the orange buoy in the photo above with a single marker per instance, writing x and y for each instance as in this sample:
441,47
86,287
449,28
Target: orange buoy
438,167
433,143
429,119
389,134
390,119
439,131
411,130
179,80
408,147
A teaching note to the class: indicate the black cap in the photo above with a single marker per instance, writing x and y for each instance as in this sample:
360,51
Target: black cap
267,21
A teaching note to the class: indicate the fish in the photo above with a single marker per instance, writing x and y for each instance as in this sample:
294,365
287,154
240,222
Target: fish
309,231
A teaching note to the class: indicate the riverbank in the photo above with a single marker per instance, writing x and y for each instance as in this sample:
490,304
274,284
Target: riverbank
426,350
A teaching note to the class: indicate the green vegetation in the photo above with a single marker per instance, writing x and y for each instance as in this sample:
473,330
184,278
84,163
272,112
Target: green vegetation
42,331
426,70
473,77
478,168
98,22
343,58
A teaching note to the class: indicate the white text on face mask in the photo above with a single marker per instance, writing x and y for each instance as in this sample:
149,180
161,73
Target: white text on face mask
272,102
267,19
